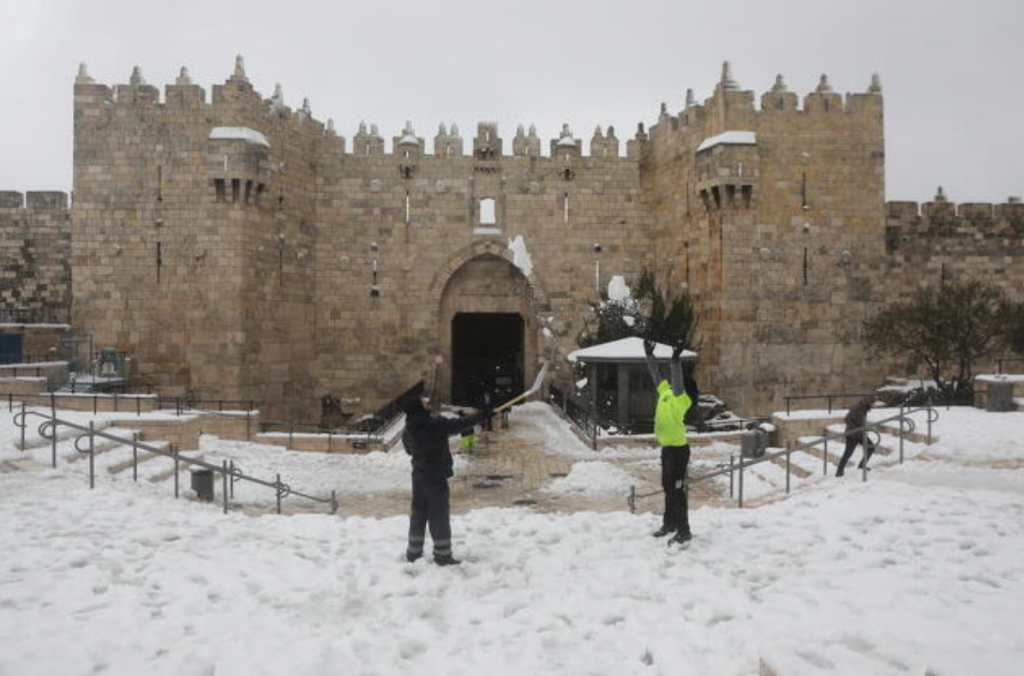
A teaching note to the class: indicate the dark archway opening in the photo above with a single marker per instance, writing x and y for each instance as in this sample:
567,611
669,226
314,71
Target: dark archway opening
487,356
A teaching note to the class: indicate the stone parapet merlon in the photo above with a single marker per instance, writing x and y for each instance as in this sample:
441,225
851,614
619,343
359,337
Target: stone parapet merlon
44,200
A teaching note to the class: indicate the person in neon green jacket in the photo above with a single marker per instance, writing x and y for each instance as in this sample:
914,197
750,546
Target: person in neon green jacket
674,400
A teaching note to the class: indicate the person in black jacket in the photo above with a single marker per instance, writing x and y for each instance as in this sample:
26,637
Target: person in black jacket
856,419
426,440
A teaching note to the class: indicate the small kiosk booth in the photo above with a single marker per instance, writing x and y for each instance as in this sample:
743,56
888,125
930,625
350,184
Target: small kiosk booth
618,386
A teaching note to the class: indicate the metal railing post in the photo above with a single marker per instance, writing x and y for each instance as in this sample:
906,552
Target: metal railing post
224,485
929,415
788,400
902,419
53,433
291,434
135,457
632,499
741,482
732,461
789,452
278,493
829,403
334,501
232,465
92,456
177,470
24,424
824,456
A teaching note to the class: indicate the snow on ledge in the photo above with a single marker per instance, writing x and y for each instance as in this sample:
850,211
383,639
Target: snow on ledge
1001,378
239,134
729,138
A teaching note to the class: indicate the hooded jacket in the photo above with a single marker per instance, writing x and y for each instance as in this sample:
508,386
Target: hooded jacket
426,440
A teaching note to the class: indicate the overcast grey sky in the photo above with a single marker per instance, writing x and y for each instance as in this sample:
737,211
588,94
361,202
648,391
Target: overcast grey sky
951,70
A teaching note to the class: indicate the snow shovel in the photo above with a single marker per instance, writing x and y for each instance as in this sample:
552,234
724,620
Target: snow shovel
537,382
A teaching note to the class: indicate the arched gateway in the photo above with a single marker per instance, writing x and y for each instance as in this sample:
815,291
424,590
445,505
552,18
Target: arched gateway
488,330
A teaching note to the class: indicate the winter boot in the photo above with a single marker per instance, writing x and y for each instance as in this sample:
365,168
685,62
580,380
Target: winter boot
663,531
413,557
446,560
681,538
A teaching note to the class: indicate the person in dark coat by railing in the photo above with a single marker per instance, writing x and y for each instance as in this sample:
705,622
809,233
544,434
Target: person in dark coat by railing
426,440
856,419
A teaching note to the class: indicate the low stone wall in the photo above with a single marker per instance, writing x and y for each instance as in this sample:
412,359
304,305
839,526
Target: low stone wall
239,425
320,443
18,387
789,428
182,431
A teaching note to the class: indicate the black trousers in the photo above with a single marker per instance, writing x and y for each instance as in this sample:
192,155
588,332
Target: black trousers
430,505
851,444
674,463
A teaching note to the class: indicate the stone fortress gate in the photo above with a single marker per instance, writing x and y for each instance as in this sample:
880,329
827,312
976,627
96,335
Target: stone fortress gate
239,248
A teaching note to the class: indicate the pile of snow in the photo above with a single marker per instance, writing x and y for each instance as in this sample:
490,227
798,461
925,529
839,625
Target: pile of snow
520,256
618,290
312,473
239,134
729,138
593,477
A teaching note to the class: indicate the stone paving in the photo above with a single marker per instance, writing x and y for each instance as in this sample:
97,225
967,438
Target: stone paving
509,469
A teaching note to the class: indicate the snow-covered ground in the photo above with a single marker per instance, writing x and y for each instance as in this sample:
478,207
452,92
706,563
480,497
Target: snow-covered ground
918,570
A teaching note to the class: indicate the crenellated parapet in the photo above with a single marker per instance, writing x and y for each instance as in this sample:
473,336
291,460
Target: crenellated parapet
940,218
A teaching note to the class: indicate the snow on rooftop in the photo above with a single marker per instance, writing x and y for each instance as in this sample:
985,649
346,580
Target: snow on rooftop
520,256
729,138
239,134
624,349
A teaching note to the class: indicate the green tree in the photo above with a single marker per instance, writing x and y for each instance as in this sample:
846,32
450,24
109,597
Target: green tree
946,328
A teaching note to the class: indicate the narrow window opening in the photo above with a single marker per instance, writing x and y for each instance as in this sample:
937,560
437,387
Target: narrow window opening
407,208
248,192
748,196
565,207
218,185
407,154
236,189
487,211
805,266
160,183
260,188
159,260
803,191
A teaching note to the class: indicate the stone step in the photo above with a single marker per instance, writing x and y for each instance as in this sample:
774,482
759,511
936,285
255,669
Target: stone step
123,460
164,468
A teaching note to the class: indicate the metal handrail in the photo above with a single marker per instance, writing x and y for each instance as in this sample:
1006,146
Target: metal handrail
51,423
828,397
906,425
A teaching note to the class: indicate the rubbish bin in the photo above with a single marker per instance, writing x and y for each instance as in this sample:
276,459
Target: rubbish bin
202,484
753,443
1000,396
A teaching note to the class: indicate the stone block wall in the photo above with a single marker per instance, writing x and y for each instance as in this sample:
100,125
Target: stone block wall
781,235
35,243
